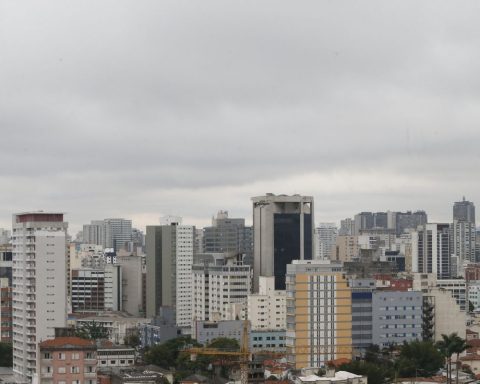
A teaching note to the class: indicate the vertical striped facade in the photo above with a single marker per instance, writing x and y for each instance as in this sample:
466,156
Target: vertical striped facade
319,314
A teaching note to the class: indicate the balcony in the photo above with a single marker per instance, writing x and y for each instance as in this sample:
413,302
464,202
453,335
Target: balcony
46,375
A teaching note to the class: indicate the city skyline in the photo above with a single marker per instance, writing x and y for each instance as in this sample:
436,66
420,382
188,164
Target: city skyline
201,222
141,109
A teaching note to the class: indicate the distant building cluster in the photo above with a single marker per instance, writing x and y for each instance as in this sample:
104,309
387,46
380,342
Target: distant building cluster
311,293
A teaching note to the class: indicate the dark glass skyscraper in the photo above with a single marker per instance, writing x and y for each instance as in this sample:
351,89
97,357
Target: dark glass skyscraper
283,231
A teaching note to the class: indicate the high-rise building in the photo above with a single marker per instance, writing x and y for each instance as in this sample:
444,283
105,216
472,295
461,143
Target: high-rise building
219,280
94,233
97,289
431,245
5,235
347,227
362,290
369,220
114,233
283,232
325,237
170,250
133,268
363,220
228,235
5,293
409,220
464,233
39,241
397,221
118,233
319,313
266,309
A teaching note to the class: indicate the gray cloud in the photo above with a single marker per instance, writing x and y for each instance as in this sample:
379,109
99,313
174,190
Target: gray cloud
124,108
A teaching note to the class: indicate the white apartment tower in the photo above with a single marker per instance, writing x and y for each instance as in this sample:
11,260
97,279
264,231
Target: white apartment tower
431,244
185,244
39,285
324,239
266,309
219,280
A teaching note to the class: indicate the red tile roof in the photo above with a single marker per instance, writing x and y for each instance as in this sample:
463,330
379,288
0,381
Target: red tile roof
67,341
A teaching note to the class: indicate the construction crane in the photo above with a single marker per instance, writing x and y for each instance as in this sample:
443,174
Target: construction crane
243,355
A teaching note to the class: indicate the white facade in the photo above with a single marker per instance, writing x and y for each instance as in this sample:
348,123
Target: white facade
185,243
217,282
113,287
118,324
448,316
324,240
39,285
464,235
266,310
431,250
474,294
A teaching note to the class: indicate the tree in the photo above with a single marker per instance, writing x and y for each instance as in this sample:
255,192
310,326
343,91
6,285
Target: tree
376,373
132,340
447,347
93,331
418,354
372,353
6,355
471,307
427,319
224,344
459,345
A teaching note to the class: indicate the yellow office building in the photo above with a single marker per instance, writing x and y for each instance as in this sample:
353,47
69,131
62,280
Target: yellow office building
319,313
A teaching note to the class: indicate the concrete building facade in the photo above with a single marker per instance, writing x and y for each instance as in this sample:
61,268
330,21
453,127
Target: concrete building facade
283,231
362,309
325,237
228,235
170,250
267,308
6,293
431,250
396,317
464,233
133,268
39,254
218,281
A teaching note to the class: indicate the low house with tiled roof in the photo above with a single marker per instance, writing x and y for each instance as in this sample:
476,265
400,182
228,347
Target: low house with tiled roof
67,360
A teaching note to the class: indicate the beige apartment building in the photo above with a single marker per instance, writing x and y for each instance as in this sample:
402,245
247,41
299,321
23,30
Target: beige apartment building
319,313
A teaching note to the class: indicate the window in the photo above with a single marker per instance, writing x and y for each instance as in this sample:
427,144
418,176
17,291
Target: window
61,370
75,356
61,356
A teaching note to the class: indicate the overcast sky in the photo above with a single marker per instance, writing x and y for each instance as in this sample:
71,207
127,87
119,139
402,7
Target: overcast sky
139,109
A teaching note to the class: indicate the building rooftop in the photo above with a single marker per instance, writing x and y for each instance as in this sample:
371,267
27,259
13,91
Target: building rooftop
67,342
